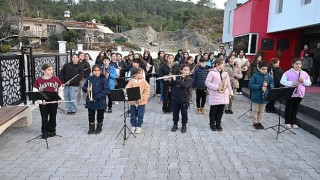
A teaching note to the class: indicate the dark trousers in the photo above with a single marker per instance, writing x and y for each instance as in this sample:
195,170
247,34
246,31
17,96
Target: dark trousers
48,116
92,115
158,87
241,81
215,114
176,108
148,76
270,105
291,110
109,101
315,69
201,96
166,106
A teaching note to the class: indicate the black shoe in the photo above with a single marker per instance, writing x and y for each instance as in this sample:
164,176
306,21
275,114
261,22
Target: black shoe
260,126
268,111
169,112
69,113
109,110
44,135
174,128
226,111
52,134
165,112
219,128
213,127
91,128
184,128
99,128
256,126
230,112
72,113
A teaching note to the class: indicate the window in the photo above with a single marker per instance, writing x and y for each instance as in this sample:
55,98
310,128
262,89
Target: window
279,6
229,22
247,43
267,44
283,44
26,28
51,28
307,1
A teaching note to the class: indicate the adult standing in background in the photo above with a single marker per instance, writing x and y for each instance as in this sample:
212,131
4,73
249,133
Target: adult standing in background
197,58
243,63
178,56
87,71
254,65
316,64
305,49
71,70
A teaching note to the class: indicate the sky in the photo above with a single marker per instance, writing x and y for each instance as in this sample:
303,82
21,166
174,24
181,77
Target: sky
219,3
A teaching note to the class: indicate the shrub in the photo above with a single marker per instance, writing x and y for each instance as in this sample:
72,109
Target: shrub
5,48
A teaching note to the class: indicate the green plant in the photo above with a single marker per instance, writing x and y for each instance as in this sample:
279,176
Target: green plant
5,48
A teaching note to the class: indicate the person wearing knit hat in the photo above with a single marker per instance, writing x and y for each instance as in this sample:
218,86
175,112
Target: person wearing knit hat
260,84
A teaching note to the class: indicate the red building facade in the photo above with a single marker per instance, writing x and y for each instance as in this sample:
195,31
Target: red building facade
250,34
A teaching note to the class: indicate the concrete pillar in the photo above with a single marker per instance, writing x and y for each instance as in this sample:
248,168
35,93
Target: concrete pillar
80,47
62,46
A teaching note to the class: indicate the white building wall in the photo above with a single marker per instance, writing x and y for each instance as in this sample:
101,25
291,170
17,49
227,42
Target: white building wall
228,21
295,14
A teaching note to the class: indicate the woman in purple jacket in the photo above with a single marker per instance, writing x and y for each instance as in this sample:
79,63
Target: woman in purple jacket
220,92
299,79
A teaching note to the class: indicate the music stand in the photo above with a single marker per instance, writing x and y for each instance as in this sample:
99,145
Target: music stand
280,94
47,96
249,110
124,95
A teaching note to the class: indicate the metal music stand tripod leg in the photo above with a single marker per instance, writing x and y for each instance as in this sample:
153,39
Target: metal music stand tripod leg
279,124
39,137
250,110
125,127
280,94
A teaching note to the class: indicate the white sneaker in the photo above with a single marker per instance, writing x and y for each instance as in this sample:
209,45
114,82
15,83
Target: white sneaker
240,93
138,130
288,126
295,126
116,103
133,129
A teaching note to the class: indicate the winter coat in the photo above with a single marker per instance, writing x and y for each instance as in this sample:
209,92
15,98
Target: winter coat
180,91
166,70
234,74
69,71
213,83
276,74
307,63
316,56
291,76
100,89
255,84
112,76
144,90
199,78
86,69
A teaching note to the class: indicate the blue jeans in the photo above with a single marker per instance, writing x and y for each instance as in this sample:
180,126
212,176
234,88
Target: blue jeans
137,113
70,93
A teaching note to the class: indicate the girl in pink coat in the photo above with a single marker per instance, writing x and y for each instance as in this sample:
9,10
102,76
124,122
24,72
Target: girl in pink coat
220,91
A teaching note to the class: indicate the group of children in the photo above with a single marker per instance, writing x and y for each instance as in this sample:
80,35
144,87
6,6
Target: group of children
220,83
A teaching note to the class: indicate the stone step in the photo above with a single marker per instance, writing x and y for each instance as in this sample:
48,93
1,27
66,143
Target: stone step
308,118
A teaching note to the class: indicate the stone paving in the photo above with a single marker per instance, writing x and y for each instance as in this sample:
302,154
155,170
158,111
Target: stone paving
238,152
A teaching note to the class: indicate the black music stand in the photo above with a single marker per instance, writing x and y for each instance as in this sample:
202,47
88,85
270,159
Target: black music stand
154,76
47,96
124,95
280,94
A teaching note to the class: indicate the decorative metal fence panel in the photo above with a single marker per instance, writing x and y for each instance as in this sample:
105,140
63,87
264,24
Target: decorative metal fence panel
37,61
12,82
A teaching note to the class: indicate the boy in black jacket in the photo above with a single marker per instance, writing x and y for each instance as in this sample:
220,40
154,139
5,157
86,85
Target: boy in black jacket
180,98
